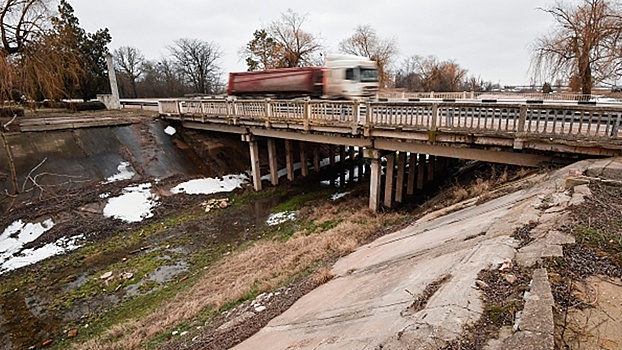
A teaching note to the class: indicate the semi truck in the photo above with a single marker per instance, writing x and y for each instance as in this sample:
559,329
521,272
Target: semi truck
342,76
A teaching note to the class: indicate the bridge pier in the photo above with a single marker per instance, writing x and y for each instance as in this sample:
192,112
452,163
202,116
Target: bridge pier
255,169
272,161
401,169
375,177
289,159
389,178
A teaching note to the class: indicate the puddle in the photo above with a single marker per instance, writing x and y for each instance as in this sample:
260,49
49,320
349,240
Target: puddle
279,218
124,172
135,204
166,273
211,185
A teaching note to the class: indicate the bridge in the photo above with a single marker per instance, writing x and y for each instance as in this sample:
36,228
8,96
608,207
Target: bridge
416,138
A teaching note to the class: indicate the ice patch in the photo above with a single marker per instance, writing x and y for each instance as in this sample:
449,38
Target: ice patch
279,218
210,185
135,204
170,131
336,196
124,173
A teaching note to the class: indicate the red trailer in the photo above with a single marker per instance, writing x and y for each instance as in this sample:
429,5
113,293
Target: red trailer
280,83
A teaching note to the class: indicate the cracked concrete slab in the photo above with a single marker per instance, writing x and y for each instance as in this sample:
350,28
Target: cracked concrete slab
363,307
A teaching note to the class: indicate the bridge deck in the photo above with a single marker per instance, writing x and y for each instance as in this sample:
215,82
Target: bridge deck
512,127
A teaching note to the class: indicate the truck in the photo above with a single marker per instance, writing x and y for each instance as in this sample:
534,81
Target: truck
342,76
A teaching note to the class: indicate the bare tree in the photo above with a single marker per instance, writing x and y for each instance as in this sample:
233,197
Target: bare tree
584,46
129,61
198,62
21,21
429,74
365,42
297,47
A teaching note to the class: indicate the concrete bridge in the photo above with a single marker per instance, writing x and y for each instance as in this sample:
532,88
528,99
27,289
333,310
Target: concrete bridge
415,137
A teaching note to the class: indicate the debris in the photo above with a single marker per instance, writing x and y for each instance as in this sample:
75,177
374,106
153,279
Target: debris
183,333
510,278
127,275
506,265
481,284
260,308
175,332
47,342
184,278
106,275
72,333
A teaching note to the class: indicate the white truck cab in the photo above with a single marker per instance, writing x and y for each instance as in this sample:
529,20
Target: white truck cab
351,77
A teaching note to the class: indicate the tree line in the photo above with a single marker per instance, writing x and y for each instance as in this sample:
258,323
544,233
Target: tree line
46,54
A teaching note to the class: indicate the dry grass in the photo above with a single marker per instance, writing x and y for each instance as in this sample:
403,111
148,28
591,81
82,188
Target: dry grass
261,267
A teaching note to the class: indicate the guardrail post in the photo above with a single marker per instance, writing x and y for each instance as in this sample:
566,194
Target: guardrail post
472,94
431,94
356,111
368,121
307,114
268,108
464,95
522,118
433,124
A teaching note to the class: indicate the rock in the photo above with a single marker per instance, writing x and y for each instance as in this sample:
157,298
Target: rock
506,265
481,284
510,278
127,275
175,333
572,182
260,308
183,333
72,333
106,275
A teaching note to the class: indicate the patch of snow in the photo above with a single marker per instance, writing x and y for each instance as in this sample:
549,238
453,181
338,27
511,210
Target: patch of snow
31,256
170,131
135,204
16,235
338,195
124,173
279,218
211,185
104,195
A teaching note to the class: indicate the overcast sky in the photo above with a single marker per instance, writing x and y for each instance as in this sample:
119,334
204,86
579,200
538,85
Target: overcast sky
489,38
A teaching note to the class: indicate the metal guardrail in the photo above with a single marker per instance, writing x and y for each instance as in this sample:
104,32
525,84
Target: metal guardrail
501,95
526,119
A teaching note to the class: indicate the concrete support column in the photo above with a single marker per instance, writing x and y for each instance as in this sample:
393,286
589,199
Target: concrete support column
255,170
375,178
431,167
388,181
351,152
331,155
412,173
289,159
274,170
316,158
342,160
421,171
304,167
401,169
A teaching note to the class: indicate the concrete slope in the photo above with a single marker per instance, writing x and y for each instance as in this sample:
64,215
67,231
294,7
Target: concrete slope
367,304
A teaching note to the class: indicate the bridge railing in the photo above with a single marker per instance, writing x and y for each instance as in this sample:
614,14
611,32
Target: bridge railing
542,120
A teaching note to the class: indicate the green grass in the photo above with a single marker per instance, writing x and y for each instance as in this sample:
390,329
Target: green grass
600,240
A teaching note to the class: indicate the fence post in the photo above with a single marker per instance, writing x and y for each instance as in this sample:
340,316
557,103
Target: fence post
268,108
368,121
433,125
356,109
307,114
522,118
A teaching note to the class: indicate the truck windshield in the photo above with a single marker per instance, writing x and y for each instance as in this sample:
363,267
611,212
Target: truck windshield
368,75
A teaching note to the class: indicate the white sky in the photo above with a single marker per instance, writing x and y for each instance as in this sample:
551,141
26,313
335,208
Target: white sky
489,38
